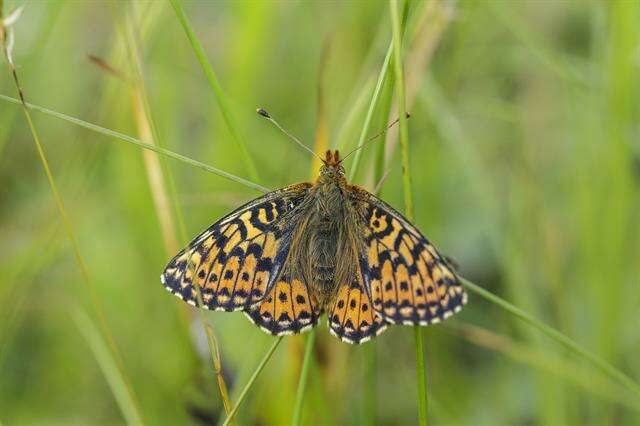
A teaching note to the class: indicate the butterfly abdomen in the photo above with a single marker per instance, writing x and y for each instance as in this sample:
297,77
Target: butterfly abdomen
323,234
322,255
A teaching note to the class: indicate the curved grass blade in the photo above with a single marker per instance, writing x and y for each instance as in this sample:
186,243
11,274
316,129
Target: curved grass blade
158,172
95,301
109,368
554,334
217,90
372,106
138,142
304,375
558,367
408,195
251,381
144,117
320,144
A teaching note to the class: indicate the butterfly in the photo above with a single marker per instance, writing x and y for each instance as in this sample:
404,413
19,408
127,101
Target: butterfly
296,253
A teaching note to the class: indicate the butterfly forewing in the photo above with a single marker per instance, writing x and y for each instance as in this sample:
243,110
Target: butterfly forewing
237,260
409,282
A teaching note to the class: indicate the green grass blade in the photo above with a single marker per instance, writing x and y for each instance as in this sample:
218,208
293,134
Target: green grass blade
141,144
93,295
408,195
370,356
602,365
110,370
376,97
372,106
540,359
217,89
252,379
516,25
304,375
149,132
143,110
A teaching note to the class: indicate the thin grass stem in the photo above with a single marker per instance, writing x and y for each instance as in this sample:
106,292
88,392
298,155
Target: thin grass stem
372,107
223,104
369,412
93,295
602,365
148,131
138,142
542,360
109,368
408,195
320,144
304,376
142,106
252,379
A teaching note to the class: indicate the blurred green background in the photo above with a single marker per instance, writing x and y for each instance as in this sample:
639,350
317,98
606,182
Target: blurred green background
526,170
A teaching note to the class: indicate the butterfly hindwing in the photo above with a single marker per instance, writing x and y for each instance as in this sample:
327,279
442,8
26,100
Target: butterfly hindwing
352,319
287,309
408,280
236,261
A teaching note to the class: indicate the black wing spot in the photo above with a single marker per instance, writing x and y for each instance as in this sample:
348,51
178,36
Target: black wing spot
304,315
284,317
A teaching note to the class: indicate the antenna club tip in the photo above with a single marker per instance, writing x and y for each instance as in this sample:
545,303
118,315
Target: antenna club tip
263,113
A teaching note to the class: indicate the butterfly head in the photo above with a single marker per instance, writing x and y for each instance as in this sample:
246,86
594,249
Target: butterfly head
332,164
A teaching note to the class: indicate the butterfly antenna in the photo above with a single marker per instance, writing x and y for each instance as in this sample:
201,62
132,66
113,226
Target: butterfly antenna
376,136
268,116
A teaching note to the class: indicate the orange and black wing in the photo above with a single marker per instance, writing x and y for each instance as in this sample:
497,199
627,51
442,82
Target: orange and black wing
237,260
287,308
408,281
352,318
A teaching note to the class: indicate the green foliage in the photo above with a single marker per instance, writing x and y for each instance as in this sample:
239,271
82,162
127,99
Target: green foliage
524,168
